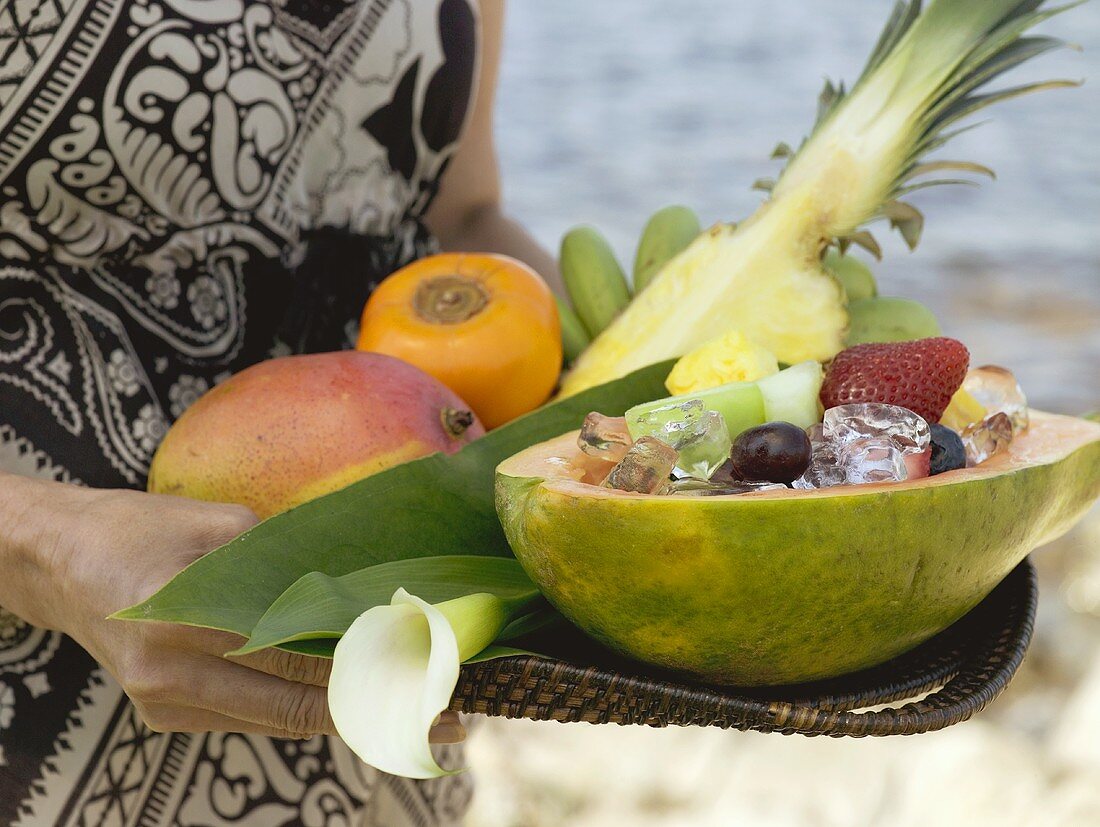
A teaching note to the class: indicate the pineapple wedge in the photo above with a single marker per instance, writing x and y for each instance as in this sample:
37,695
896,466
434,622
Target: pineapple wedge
780,299
765,276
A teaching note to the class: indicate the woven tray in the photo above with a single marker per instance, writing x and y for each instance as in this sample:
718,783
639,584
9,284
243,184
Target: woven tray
964,668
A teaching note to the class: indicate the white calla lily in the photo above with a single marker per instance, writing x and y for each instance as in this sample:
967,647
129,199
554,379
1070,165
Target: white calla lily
395,669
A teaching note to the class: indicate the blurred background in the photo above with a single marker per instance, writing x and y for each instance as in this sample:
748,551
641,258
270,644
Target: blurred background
609,111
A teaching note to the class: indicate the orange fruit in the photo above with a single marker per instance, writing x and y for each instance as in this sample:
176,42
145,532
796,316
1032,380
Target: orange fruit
484,325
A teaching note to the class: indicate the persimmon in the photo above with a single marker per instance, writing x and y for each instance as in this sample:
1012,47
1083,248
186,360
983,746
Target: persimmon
484,325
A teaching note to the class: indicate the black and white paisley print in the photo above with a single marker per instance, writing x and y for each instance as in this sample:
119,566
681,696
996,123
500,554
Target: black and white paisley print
188,187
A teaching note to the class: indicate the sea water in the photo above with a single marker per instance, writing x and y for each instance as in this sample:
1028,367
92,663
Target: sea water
609,111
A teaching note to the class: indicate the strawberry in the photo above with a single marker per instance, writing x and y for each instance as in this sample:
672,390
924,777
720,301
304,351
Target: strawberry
921,375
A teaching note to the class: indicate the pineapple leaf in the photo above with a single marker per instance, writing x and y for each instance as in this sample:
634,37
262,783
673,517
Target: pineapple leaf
828,100
1004,38
935,182
972,103
764,184
910,230
906,219
901,19
933,141
1007,58
782,150
899,211
926,72
1004,60
864,239
917,170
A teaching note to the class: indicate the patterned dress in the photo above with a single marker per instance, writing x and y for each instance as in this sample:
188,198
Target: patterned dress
188,187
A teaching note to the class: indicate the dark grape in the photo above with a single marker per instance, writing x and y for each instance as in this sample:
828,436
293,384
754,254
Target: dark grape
948,452
773,452
725,473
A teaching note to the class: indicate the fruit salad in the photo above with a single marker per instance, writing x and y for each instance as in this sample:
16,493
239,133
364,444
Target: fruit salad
879,413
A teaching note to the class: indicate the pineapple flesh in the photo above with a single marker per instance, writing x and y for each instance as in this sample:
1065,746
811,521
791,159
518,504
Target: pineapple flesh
764,276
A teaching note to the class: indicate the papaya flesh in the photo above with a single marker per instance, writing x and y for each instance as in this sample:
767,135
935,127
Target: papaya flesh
788,586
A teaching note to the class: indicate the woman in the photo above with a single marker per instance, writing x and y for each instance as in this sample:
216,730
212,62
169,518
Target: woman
191,186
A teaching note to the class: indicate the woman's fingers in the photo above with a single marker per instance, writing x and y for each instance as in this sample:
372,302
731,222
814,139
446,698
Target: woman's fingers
168,718
448,729
247,695
301,669
172,718
298,700
289,666
206,641
275,693
218,695
295,707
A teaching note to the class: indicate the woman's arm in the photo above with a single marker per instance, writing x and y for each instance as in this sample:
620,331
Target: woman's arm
70,556
467,213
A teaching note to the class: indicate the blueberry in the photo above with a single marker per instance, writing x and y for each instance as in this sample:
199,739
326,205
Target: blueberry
948,452
773,452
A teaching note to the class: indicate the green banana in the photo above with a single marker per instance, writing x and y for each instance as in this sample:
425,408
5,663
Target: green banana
574,338
667,232
593,277
855,276
888,319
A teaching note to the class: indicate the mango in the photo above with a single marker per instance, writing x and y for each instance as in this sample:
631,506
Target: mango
288,430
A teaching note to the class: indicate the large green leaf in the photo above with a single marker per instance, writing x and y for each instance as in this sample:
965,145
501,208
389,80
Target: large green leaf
435,506
318,606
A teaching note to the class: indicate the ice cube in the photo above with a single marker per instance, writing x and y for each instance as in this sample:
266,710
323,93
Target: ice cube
699,435
872,459
604,437
693,487
704,445
983,439
752,486
848,423
646,467
998,391
825,469
674,413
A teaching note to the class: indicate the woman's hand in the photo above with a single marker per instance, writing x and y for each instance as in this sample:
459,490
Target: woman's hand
79,555
105,550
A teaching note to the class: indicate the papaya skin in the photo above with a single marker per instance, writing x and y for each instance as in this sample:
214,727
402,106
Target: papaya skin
288,430
785,587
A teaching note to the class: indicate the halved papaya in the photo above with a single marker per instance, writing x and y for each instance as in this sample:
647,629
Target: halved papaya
785,587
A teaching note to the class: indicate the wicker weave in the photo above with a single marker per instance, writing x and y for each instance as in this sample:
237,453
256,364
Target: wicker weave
968,665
